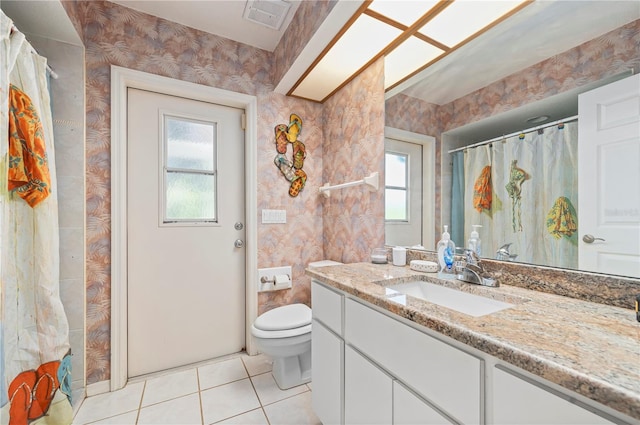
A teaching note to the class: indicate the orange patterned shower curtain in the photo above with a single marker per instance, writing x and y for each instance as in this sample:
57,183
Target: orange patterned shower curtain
34,338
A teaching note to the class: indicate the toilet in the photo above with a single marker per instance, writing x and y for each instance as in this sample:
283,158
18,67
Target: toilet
284,334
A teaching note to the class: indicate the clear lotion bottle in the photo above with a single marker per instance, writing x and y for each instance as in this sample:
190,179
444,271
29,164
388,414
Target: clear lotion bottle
474,243
446,253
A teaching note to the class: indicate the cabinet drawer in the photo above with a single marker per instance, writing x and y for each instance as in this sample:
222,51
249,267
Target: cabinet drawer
447,377
326,306
516,401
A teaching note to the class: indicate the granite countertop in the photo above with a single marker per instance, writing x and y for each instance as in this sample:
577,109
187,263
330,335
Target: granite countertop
592,349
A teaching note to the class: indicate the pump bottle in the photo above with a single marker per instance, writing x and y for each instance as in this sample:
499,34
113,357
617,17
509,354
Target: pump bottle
474,243
446,252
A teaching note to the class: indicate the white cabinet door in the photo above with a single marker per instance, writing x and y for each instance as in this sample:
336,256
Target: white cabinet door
326,374
367,391
409,409
516,401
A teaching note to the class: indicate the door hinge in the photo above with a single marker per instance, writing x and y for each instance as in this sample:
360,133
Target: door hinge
243,121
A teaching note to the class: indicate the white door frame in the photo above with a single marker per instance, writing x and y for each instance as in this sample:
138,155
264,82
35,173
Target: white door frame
428,177
121,80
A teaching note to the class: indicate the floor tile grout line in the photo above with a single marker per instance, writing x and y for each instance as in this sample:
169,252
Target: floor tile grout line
257,396
144,388
286,398
200,396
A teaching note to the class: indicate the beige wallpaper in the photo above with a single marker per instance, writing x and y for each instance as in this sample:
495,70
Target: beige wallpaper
353,149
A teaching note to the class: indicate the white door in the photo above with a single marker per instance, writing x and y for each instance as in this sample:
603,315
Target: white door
403,193
185,206
609,178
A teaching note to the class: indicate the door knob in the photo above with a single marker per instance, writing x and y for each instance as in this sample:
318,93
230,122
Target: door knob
590,239
238,243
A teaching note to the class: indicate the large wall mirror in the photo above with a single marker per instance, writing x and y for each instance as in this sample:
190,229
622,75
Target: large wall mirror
523,76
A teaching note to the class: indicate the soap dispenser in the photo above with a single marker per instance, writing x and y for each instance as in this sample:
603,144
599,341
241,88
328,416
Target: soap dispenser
474,243
446,252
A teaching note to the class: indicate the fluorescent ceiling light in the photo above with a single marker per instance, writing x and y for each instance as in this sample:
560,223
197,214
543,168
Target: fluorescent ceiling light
390,28
365,39
406,58
463,18
402,11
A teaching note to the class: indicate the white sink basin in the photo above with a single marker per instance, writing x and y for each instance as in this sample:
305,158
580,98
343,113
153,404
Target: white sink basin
463,302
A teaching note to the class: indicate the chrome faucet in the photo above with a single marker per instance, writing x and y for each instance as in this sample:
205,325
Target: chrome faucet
503,253
474,272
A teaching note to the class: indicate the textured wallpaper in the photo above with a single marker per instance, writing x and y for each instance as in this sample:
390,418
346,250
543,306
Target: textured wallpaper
354,148
602,57
114,35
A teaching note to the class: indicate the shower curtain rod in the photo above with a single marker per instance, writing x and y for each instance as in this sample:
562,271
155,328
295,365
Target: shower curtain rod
528,130
53,74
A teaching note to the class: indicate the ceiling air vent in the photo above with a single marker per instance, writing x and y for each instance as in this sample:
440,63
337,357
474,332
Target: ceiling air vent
270,13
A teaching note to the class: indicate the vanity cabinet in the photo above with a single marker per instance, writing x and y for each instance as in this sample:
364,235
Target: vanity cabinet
327,354
370,366
518,401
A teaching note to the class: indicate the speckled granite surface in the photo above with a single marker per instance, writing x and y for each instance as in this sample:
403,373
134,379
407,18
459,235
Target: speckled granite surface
600,288
586,347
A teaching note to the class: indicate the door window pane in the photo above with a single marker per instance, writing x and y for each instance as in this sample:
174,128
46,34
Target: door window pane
190,144
190,196
396,175
395,204
395,168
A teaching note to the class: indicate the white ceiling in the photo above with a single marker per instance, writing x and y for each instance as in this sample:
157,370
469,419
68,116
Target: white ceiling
219,17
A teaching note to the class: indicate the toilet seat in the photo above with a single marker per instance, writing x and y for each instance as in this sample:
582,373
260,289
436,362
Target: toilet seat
283,322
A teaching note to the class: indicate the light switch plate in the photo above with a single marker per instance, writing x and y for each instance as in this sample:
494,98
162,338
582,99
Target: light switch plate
274,216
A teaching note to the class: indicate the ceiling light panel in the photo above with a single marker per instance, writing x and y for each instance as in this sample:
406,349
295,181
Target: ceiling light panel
365,39
402,11
411,55
463,18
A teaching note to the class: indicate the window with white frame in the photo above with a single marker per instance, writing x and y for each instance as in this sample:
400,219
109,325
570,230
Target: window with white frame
189,171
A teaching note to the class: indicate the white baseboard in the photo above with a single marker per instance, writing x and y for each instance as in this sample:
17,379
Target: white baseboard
98,388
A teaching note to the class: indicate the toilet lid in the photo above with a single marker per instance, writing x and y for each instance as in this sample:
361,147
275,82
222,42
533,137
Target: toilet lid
286,317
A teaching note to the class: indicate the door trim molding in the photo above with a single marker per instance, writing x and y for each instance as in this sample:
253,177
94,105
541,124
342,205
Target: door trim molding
428,176
121,80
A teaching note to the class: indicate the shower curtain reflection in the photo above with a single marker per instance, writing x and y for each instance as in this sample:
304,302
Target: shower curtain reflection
531,198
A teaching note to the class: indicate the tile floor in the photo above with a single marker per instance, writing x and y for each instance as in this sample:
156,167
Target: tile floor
237,390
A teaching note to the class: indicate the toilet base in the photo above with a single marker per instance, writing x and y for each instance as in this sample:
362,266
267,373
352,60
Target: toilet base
292,371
